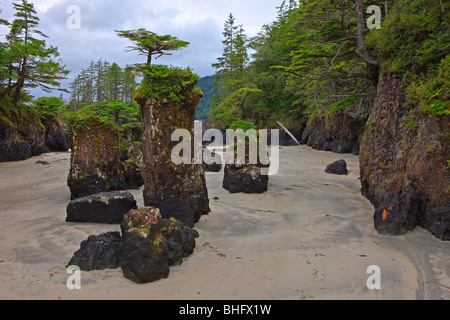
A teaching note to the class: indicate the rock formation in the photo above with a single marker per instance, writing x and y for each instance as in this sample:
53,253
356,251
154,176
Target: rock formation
338,133
244,178
150,244
56,138
94,162
178,190
98,252
404,164
339,167
131,158
20,141
105,207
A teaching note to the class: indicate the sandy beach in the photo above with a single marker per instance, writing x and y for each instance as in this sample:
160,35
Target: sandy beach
310,236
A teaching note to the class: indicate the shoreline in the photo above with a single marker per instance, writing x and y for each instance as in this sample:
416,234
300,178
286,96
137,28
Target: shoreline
310,236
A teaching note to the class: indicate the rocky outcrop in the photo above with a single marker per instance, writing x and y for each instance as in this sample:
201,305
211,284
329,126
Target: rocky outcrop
338,133
339,167
105,207
404,164
244,178
98,252
56,138
94,162
150,244
148,247
27,139
178,190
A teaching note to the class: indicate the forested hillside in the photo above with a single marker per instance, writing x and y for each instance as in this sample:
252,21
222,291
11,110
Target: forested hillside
317,58
206,84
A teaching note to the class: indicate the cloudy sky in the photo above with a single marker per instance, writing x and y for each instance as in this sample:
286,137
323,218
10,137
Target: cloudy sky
198,21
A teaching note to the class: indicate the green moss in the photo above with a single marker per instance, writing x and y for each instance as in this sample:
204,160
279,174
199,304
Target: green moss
170,82
139,230
7,121
372,125
411,122
430,149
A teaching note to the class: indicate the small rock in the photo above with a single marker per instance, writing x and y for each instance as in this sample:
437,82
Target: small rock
44,163
339,167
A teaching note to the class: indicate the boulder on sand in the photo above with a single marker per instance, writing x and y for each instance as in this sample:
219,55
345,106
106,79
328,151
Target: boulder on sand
98,252
244,178
104,207
339,167
151,244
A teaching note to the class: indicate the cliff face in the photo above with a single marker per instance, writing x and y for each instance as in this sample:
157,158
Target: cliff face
404,164
338,133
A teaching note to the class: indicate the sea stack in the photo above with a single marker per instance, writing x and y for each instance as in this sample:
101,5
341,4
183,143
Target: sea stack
168,101
94,162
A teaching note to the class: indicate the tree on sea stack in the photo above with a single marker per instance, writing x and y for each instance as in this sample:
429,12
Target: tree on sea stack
151,44
168,100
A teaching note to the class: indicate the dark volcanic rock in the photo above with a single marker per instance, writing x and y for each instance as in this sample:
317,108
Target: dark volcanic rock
151,244
180,240
56,138
23,139
145,252
244,178
98,252
105,207
13,147
339,167
214,167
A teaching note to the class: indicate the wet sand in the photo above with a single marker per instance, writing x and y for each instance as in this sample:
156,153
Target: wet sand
310,236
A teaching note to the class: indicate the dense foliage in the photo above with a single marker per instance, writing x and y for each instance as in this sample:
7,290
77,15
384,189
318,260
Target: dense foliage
26,62
172,83
317,58
414,44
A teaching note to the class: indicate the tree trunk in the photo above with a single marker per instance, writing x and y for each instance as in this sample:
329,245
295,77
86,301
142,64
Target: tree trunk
364,54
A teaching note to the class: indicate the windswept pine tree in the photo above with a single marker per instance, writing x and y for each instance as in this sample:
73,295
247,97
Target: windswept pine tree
150,44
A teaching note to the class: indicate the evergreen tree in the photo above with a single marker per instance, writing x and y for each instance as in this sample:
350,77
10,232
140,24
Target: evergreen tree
231,68
150,44
29,61
102,82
